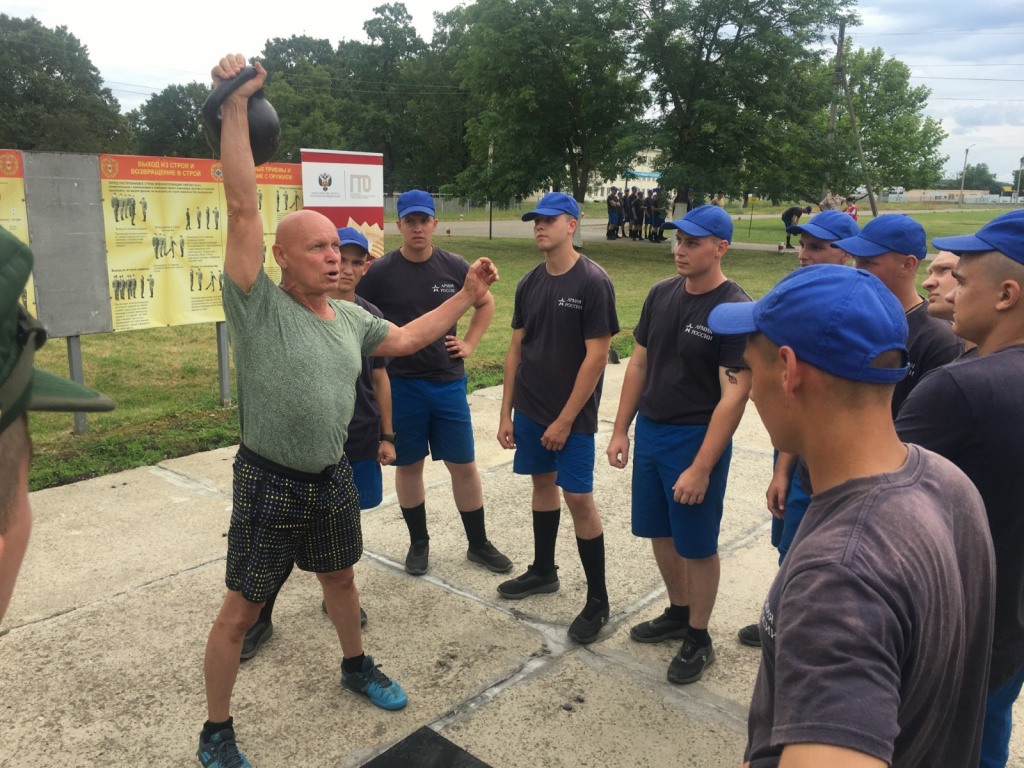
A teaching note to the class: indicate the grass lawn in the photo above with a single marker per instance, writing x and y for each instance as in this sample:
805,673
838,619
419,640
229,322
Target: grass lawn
164,380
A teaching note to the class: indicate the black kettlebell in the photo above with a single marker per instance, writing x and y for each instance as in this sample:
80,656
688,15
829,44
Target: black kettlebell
264,124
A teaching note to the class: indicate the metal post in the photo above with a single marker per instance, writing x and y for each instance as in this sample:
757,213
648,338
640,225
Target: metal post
490,203
963,177
223,367
77,375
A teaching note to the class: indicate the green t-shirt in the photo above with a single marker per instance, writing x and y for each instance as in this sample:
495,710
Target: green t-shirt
296,372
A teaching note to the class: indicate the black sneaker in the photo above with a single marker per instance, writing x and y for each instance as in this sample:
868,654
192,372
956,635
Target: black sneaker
488,556
689,664
586,630
362,613
221,751
257,635
416,560
381,689
658,629
750,635
530,583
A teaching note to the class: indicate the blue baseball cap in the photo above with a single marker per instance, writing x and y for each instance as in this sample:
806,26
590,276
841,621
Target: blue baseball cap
835,318
554,204
827,225
1004,234
892,232
415,201
704,220
352,236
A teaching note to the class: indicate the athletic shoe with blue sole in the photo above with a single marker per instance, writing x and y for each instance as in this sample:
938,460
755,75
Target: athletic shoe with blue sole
221,751
381,689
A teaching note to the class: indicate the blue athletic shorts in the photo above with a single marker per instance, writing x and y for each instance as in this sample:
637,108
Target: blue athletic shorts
574,463
431,416
660,454
369,483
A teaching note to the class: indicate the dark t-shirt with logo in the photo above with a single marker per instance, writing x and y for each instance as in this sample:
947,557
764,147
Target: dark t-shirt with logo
931,344
363,440
558,314
877,631
972,412
683,355
405,290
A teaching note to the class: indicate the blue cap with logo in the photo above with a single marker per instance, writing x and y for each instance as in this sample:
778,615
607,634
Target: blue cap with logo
554,204
835,318
1004,234
352,236
704,220
827,225
415,201
892,232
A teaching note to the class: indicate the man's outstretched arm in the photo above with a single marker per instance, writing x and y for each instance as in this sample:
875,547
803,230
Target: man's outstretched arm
243,251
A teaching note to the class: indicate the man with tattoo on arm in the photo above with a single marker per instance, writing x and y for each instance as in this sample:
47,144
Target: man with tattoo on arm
687,387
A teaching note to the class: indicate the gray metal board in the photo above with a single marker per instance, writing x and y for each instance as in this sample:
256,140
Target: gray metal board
65,226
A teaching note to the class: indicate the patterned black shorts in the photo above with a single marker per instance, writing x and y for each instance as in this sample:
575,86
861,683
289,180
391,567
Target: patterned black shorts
281,515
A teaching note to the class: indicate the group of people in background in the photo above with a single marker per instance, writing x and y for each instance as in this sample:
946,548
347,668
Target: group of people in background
641,215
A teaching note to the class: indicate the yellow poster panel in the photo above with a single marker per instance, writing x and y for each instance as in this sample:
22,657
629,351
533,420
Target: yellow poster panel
278,192
13,212
165,222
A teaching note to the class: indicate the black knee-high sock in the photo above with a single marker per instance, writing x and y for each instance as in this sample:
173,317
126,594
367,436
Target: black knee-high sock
476,531
416,521
545,535
592,557
266,612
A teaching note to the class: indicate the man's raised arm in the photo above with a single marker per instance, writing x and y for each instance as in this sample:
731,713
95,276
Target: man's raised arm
243,253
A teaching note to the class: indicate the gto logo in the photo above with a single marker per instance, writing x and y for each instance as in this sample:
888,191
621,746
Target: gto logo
359,183
325,181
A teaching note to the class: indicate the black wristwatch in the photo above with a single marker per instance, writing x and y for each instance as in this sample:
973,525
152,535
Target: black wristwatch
388,437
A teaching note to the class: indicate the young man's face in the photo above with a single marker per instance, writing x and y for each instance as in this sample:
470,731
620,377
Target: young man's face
766,390
940,284
814,250
974,298
550,232
696,256
417,230
352,267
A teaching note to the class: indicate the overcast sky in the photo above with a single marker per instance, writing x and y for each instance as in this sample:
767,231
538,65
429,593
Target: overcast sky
970,54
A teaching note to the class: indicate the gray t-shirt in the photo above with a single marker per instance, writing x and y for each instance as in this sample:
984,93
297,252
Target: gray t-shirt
877,631
290,366
558,314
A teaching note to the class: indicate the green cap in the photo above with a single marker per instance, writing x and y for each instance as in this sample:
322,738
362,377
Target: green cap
23,387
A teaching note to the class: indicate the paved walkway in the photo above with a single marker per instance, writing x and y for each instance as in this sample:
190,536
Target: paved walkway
102,664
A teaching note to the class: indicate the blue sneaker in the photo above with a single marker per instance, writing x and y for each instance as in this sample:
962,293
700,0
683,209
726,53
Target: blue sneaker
221,751
382,690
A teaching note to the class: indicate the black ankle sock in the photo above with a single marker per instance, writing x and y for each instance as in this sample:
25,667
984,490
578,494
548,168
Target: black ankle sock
476,532
267,611
700,637
678,612
592,557
416,521
545,535
355,664
210,728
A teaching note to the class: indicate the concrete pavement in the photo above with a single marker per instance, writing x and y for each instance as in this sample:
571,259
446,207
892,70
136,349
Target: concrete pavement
102,664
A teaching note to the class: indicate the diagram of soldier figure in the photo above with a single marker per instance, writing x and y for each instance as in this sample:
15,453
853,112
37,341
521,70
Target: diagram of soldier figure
144,205
151,281
213,282
199,218
295,202
207,217
188,218
259,199
216,218
181,246
199,276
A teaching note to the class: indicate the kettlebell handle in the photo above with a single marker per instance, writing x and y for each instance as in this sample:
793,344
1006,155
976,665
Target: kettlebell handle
211,108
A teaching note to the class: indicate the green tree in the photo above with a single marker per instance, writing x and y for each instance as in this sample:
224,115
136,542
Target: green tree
51,96
560,95
730,85
170,123
975,177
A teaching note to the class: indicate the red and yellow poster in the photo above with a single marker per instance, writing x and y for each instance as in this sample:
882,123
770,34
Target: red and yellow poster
165,221
13,211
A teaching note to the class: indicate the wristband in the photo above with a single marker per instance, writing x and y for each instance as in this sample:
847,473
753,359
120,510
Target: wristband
388,437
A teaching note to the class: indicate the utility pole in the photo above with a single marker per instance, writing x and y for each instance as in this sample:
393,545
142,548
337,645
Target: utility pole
490,201
860,148
837,82
1020,171
963,177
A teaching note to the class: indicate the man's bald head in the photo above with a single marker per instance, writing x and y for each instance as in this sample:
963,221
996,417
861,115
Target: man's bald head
297,225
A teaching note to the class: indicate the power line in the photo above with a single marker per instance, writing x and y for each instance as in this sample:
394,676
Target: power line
969,79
